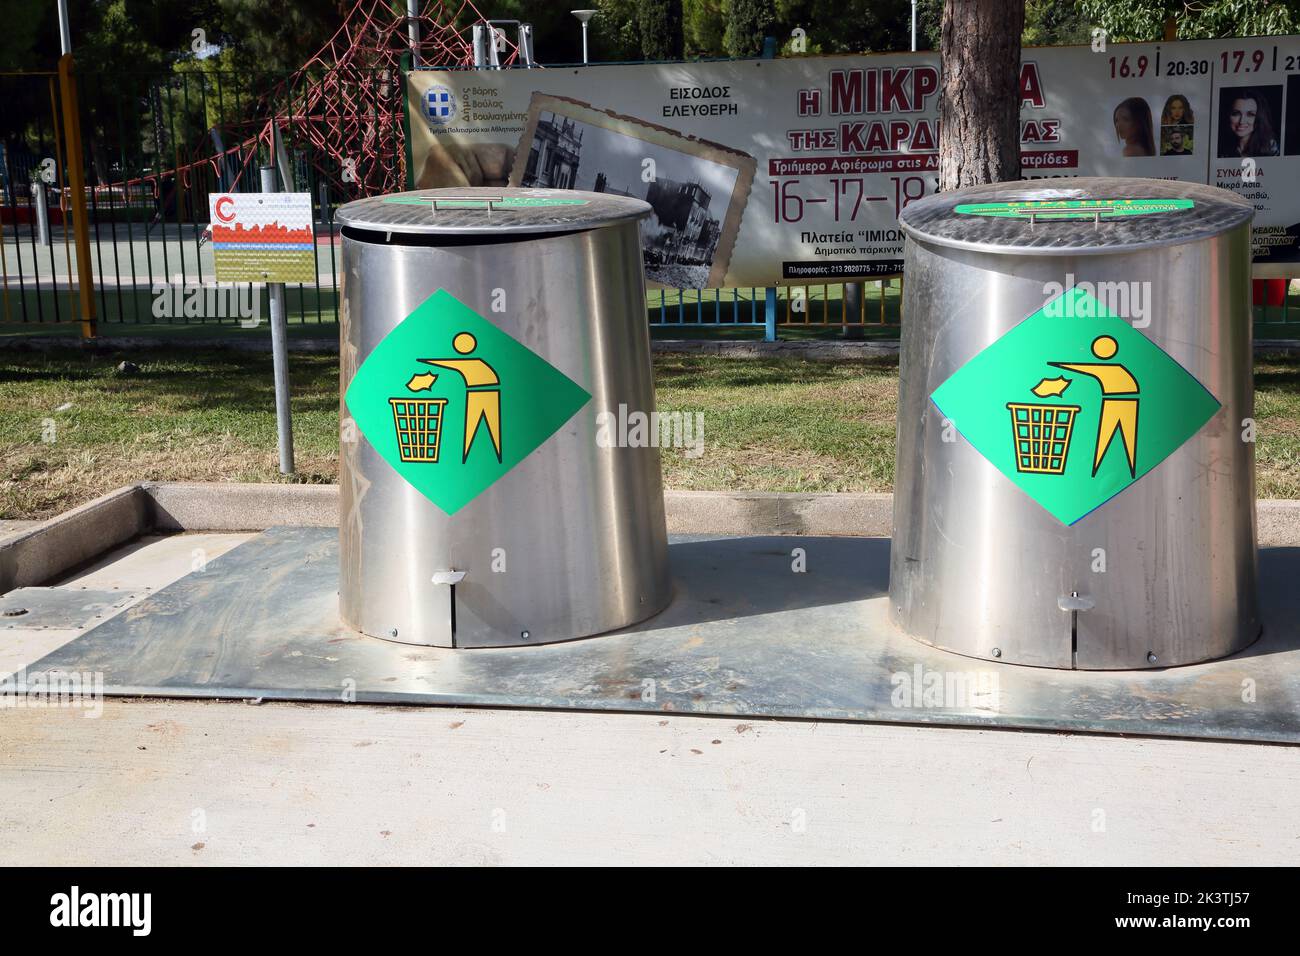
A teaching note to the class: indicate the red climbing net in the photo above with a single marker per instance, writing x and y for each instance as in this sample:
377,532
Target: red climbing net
347,107
343,109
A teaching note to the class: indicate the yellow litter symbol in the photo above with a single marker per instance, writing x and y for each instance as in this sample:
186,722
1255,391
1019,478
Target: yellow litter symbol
1042,435
1051,387
419,427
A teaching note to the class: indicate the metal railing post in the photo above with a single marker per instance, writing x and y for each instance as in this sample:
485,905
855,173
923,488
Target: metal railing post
769,315
854,319
77,201
42,213
279,349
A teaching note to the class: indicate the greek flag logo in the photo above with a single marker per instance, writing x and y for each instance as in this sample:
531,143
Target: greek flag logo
439,104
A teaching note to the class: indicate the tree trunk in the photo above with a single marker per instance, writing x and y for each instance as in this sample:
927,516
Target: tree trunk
979,103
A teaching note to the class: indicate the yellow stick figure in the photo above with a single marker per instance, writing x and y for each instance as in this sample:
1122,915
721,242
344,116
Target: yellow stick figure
482,392
1119,406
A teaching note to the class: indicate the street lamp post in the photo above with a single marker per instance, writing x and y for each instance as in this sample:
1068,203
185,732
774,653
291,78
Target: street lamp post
65,34
583,16
413,31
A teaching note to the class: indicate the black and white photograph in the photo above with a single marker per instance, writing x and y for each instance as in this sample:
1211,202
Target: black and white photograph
696,189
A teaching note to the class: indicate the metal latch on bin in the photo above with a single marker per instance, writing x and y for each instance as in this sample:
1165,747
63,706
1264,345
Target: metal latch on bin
1075,602
461,201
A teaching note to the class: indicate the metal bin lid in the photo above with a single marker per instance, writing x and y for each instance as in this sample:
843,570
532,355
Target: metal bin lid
486,210
1074,216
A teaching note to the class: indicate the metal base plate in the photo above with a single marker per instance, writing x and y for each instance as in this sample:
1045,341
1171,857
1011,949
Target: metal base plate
59,607
745,636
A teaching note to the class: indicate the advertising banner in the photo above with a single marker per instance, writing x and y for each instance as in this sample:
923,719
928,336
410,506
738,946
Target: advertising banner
790,171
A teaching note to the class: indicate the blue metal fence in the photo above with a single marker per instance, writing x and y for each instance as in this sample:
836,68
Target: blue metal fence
823,306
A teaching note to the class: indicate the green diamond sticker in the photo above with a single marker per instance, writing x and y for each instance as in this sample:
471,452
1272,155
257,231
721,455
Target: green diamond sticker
1074,405
453,403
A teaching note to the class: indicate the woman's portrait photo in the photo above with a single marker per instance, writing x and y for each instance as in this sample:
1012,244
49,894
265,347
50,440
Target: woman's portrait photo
1246,121
1177,112
1133,128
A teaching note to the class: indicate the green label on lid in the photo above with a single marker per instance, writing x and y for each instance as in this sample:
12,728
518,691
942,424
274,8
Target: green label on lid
1073,208
473,202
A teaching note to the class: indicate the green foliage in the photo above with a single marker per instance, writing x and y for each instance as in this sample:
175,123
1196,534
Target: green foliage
661,29
1144,20
845,26
23,23
1053,23
615,31
703,23
748,21
273,36
929,24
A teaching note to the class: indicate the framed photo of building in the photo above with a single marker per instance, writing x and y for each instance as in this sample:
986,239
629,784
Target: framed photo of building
697,189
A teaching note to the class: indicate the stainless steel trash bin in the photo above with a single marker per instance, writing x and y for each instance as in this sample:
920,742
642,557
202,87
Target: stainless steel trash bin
483,334
1075,478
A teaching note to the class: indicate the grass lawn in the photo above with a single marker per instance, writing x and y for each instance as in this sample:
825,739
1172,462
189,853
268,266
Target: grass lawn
72,427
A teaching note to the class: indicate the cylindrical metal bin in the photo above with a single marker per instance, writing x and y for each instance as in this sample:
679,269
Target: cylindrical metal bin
488,338
1075,472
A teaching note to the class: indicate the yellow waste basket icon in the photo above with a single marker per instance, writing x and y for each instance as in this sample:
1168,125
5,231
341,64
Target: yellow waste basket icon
1042,436
419,426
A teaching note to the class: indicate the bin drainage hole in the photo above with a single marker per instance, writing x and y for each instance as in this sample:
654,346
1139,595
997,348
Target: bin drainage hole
15,611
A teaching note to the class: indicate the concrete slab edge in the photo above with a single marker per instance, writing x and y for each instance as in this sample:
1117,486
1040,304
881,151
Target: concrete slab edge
239,506
53,547
50,548
204,506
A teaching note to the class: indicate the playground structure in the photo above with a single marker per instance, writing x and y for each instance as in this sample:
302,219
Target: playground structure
345,104
342,109
125,163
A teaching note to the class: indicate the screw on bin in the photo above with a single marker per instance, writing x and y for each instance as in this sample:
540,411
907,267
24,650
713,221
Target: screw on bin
997,652
1151,657
524,635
